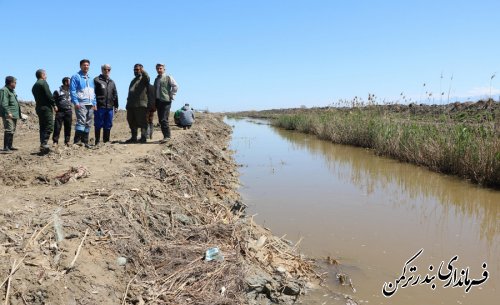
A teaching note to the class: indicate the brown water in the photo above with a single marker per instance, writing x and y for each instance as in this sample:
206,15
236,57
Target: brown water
372,214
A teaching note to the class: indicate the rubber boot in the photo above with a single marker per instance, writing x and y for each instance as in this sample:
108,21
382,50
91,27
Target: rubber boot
150,131
6,141
144,135
78,137
46,139
133,138
67,137
106,135
97,136
44,147
166,135
85,139
11,139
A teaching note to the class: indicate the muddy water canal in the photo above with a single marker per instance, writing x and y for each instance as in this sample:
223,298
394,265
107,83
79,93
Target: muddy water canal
389,224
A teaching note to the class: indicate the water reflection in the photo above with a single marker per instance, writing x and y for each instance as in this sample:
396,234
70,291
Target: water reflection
360,168
372,213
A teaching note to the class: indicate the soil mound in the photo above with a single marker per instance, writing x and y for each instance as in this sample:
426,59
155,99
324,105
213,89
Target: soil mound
131,224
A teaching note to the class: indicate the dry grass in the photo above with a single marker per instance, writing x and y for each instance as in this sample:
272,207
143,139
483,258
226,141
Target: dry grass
457,139
161,212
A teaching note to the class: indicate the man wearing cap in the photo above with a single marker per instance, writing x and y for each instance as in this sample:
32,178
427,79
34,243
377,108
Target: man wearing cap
9,111
166,88
107,104
45,107
137,104
83,97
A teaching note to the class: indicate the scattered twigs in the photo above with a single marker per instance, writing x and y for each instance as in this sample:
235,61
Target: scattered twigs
97,193
216,272
69,202
24,299
101,193
35,237
128,286
162,227
181,270
251,221
72,264
295,247
8,235
109,197
8,282
13,270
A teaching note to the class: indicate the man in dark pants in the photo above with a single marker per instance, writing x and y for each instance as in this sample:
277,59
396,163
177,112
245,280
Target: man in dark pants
64,114
10,112
166,88
151,111
137,104
45,104
107,104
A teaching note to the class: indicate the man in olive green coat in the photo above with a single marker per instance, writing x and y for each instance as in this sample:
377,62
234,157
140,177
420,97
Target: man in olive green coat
45,104
10,112
137,104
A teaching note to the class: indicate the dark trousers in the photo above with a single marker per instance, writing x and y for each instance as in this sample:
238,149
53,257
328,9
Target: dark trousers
163,109
46,122
136,117
9,125
63,118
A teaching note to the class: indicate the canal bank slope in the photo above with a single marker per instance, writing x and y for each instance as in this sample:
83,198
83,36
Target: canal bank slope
132,223
461,139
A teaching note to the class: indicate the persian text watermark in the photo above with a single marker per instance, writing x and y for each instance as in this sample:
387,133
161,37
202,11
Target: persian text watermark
449,275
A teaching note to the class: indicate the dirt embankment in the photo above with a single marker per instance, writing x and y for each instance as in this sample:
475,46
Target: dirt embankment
480,112
133,223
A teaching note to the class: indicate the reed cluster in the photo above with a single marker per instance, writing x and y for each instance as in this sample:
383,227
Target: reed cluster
451,139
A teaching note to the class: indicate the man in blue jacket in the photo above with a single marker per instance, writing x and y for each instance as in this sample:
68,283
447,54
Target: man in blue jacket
83,97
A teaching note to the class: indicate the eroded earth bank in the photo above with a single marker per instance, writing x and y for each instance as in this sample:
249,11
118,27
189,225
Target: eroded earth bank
131,224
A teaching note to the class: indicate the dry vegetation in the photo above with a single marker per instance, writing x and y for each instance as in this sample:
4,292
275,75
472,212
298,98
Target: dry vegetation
460,139
133,227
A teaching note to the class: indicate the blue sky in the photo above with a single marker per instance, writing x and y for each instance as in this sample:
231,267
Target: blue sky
242,55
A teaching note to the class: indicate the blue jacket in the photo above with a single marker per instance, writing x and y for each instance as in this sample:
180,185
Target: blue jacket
81,89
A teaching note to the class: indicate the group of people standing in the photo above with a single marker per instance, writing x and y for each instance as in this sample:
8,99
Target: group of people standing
94,100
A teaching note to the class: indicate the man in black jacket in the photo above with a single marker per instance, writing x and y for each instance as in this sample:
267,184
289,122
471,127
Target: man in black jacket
107,104
64,114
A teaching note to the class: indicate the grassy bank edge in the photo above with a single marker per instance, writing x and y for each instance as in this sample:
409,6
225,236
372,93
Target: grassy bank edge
464,142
